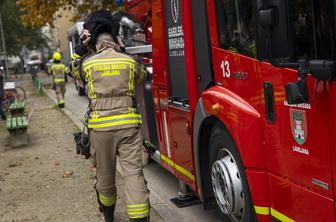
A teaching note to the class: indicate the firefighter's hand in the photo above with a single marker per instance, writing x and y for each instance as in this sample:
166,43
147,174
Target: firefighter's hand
85,37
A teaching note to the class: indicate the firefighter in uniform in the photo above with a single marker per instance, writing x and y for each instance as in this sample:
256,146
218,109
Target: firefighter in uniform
58,72
114,123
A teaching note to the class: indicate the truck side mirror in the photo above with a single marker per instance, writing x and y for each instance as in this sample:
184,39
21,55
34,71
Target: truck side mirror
297,92
322,69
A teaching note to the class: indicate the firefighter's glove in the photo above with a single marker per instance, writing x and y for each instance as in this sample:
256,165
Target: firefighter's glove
82,144
149,146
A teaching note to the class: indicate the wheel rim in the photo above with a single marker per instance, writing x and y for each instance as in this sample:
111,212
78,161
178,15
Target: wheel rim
227,185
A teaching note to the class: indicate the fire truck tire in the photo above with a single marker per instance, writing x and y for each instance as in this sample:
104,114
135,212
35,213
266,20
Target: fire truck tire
228,180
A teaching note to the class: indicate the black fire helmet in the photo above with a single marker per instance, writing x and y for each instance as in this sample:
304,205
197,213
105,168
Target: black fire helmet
99,22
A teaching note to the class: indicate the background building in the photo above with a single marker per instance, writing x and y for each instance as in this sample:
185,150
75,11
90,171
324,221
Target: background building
58,34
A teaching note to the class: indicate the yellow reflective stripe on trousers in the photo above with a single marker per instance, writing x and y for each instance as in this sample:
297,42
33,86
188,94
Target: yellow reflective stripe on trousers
178,167
59,80
107,201
276,214
135,211
114,120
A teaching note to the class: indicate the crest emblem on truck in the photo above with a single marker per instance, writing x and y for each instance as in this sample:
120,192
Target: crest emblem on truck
299,125
175,9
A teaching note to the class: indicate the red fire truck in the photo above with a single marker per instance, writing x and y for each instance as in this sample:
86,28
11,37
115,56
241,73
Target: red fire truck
240,104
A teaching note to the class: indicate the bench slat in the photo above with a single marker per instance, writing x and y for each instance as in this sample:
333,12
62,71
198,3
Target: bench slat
9,123
17,105
24,121
19,122
13,122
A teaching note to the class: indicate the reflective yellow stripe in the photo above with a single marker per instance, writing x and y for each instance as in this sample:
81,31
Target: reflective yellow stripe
276,214
76,56
131,80
108,59
59,80
88,77
138,215
280,216
262,210
138,210
61,101
107,201
178,167
105,63
125,119
117,123
132,206
132,71
95,120
75,71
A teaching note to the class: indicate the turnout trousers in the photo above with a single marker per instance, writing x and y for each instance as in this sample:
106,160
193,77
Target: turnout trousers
60,92
127,145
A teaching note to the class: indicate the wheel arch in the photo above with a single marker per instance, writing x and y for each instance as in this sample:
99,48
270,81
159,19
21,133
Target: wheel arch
240,119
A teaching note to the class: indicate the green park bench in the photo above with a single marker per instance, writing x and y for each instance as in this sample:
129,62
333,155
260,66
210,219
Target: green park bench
17,108
17,127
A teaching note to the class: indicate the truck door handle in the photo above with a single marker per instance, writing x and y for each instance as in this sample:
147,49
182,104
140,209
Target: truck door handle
269,102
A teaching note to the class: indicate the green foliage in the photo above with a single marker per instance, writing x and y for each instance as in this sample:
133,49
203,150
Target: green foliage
16,35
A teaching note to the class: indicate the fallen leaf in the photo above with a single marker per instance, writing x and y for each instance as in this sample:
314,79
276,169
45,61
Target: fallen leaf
18,163
67,173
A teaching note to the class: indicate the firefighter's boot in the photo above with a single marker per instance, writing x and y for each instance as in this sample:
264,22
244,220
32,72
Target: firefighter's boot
145,219
108,213
61,103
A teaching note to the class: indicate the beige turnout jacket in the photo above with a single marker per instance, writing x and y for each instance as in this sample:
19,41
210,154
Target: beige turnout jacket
111,77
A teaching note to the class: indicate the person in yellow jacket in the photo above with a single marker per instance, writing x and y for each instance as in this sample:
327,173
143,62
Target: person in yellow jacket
58,72
113,122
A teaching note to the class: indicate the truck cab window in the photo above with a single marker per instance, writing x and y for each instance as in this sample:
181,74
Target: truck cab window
313,26
236,26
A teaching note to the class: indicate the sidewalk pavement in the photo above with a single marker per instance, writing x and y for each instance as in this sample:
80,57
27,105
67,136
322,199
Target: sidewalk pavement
47,181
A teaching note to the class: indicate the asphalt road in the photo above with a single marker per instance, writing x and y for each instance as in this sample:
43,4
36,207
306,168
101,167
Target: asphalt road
162,184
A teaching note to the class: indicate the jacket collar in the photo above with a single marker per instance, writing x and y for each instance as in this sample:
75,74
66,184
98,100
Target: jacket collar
108,45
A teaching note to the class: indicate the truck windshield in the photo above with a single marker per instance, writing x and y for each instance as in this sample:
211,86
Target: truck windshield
314,29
